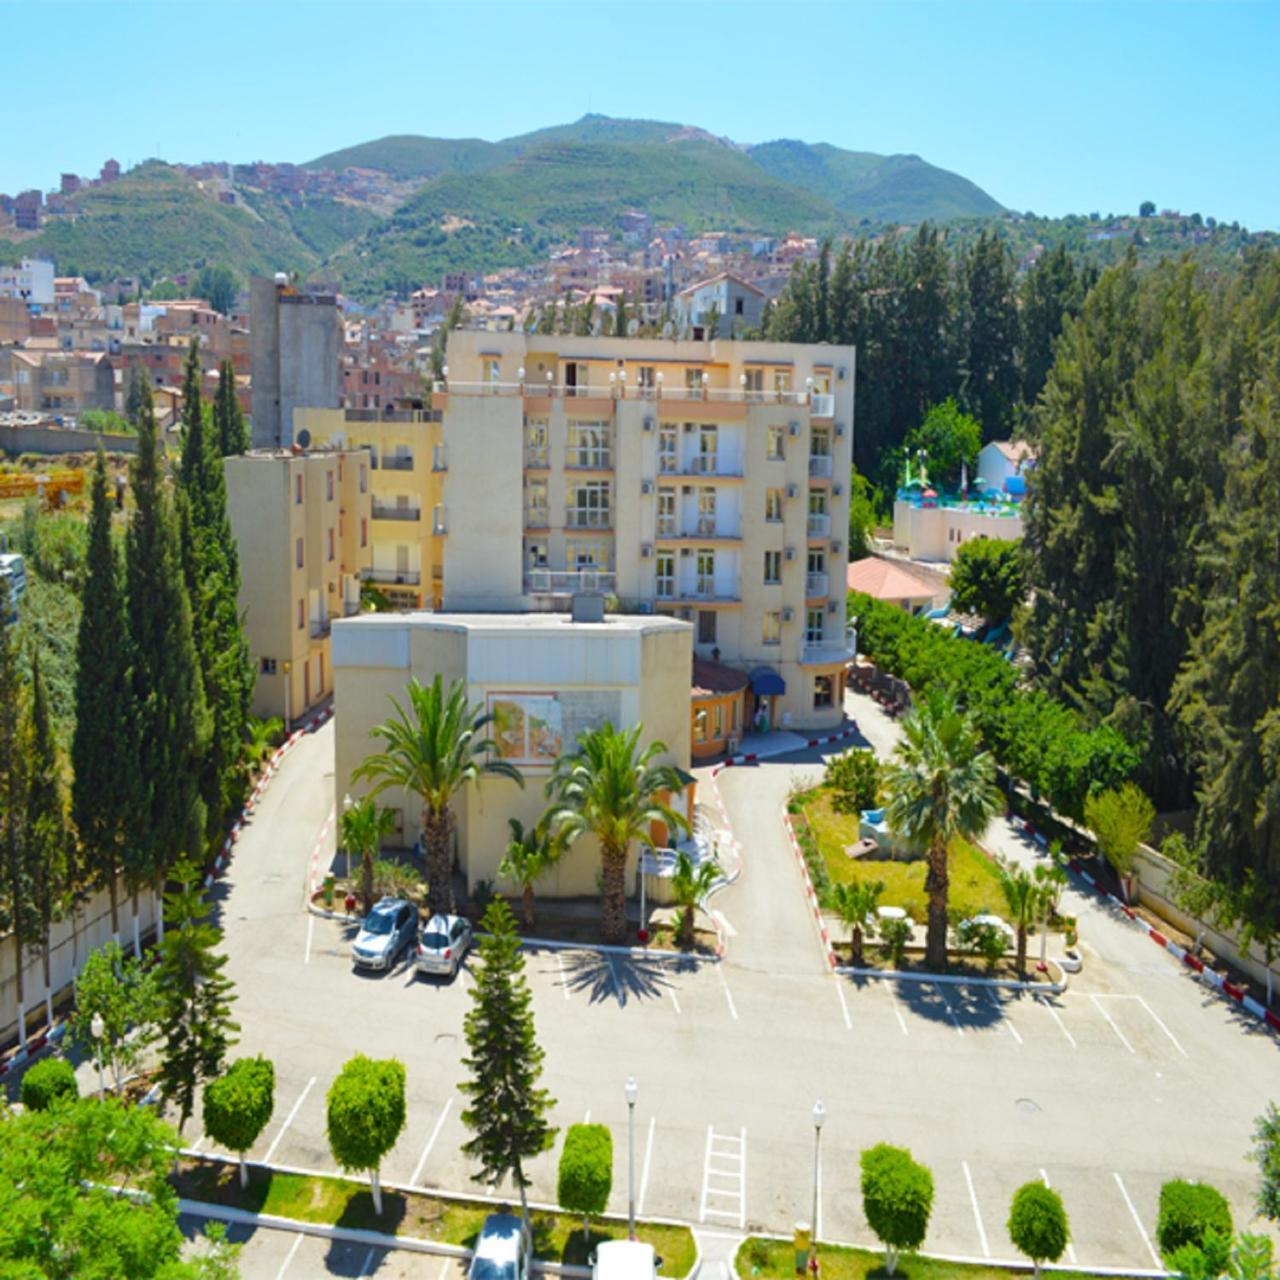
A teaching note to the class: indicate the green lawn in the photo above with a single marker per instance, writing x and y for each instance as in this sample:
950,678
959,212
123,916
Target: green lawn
975,884
335,1201
775,1260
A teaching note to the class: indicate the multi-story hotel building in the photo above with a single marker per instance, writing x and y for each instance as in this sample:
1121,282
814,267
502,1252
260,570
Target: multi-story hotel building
706,480
301,522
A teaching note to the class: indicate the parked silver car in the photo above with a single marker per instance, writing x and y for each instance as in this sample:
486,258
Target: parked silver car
502,1250
442,944
387,930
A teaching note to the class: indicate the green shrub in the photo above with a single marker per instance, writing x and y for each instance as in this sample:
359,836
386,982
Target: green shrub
1187,1211
48,1082
854,777
393,880
894,936
1038,1223
238,1105
1120,820
586,1171
897,1199
987,942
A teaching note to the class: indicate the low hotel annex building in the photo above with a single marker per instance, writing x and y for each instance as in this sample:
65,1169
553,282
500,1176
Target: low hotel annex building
703,480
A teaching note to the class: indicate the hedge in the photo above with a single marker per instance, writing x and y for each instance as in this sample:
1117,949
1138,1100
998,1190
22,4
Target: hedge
1187,1211
46,1082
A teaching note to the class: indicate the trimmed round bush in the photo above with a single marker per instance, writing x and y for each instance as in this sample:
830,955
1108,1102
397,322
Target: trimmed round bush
1187,1211
1038,1223
586,1171
47,1082
897,1199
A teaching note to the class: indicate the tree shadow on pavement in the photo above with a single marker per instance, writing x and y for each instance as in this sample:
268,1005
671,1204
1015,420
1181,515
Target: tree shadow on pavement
949,1005
601,977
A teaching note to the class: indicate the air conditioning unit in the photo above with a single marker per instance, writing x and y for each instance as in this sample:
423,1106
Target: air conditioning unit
685,552
688,428
842,373
793,491
646,486
837,490
646,551
835,548
686,489
790,553
788,614
839,430
647,424
833,606
793,428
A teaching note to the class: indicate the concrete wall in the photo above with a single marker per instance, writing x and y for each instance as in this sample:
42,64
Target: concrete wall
73,941
937,533
54,440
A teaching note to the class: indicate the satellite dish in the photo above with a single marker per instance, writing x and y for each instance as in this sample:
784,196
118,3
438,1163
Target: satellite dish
668,330
633,327
304,438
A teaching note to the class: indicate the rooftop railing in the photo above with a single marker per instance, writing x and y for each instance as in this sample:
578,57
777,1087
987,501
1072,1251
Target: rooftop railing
397,577
566,582
820,405
381,511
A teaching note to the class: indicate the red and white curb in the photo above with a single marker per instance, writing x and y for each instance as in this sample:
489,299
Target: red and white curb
814,905
1264,1015
751,757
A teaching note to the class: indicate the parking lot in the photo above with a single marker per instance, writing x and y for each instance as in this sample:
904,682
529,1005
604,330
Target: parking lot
1134,1075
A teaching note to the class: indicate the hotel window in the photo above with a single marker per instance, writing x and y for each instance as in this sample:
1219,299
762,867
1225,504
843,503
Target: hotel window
707,628
297,489
753,383
737,709
667,457
820,443
707,511
535,504
589,445
328,486
666,575
535,443
782,381
302,614
773,505
364,479
364,532
707,446
536,555
330,544
693,382
772,629
587,555
777,447
589,505
268,666
645,378
297,552
772,566
706,569
814,625
666,513
700,725
823,691
717,720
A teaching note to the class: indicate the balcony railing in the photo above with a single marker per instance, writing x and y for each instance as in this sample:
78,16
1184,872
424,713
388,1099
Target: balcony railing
710,464
566,582
536,456
319,627
820,465
668,463
383,512
589,460
830,650
397,462
576,518
815,585
819,525
536,518
822,404
704,591
702,527
398,577
439,526
350,607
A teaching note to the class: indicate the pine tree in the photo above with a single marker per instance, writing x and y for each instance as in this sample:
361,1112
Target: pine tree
172,717
1051,291
508,1111
138,383
196,1029
46,826
104,749
991,385
17,905
228,418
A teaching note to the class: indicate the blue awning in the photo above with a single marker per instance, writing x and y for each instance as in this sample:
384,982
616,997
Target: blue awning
767,683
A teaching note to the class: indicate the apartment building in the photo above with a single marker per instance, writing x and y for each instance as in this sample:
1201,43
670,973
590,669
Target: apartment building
407,470
705,480
64,383
301,522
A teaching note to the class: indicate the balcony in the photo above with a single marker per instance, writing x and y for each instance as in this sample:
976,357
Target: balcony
567,582
822,405
703,592
536,518
319,627
710,464
380,511
577,518
589,460
438,525
702,527
396,462
820,465
819,524
439,461
827,652
815,585
536,457
397,577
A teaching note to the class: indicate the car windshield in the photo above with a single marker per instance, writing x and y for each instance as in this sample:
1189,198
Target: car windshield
378,922
491,1269
435,940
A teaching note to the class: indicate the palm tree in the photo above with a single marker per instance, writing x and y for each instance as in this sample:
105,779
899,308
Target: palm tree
261,738
530,855
362,828
1025,898
433,750
940,785
690,885
611,789
854,904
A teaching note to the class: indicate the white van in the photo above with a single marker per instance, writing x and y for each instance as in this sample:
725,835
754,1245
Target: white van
624,1260
13,583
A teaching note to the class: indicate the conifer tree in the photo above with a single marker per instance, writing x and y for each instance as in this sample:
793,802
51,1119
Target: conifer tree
228,418
104,749
196,1029
991,385
172,717
508,1111
133,397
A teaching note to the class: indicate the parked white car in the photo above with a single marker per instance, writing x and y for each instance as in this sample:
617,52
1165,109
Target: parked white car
624,1260
443,943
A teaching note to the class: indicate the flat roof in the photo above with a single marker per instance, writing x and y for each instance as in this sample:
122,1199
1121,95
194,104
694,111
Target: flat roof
545,623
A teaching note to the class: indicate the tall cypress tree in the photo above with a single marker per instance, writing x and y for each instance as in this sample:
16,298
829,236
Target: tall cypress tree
173,719
16,890
228,418
991,386
1051,291
104,748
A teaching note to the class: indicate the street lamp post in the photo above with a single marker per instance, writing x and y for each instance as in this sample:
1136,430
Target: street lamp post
632,1092
98,1029
819,1115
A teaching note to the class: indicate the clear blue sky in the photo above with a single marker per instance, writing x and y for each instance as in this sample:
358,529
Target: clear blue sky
1052,107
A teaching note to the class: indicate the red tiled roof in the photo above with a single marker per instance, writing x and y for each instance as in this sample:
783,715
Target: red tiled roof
711,679
884,580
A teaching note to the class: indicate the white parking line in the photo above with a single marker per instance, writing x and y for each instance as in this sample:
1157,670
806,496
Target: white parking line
288,1257
1159,1023
942,991
727,996
431,1142
671,991
368,1260
644,1172
199,1142
1097,1004
587,1118
1071,1249
271,1150
1062,1026
613,980
893,1000
1004,1014
977,1217
1137,1221
564,981
844,1004
734,1152
311,928
444,1268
